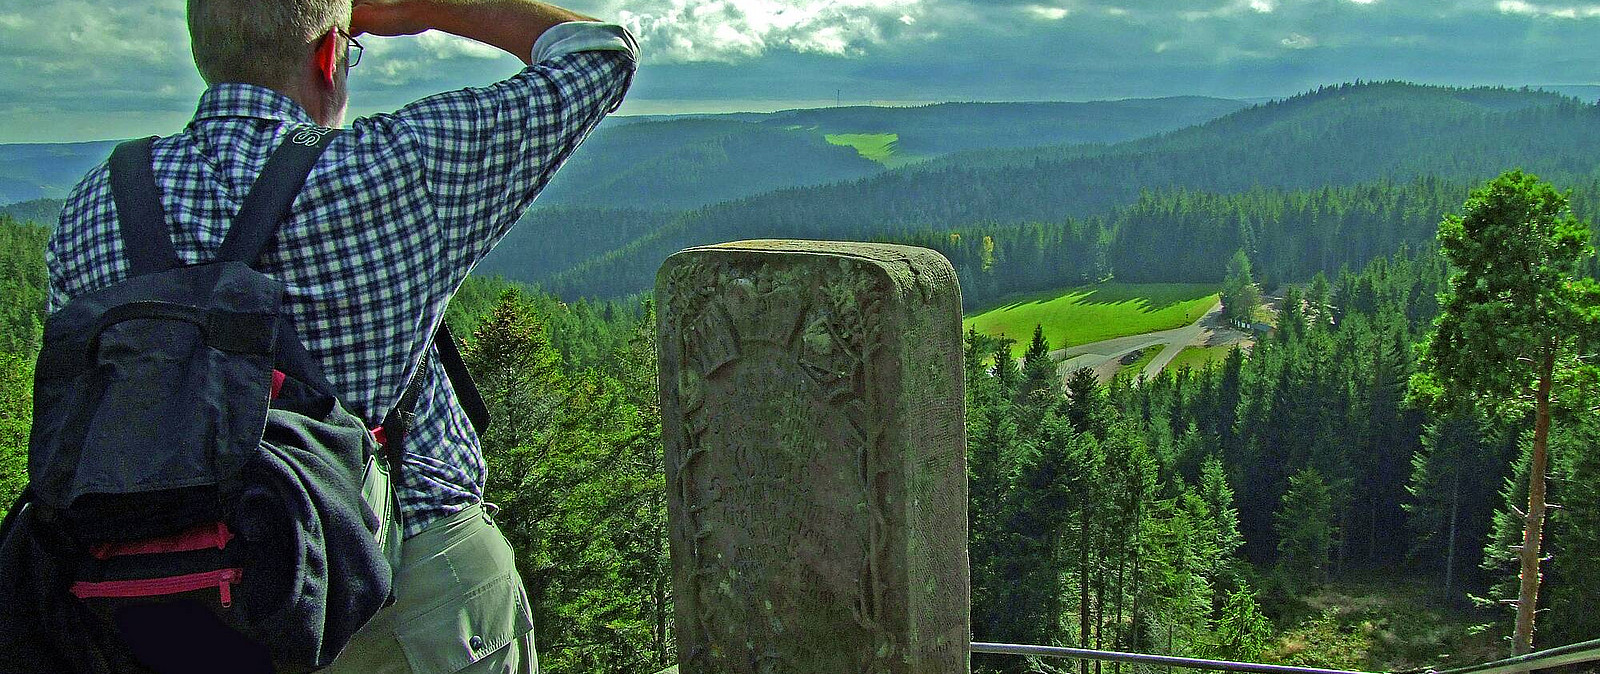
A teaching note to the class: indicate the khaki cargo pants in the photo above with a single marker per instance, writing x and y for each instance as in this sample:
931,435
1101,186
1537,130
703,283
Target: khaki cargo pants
460,607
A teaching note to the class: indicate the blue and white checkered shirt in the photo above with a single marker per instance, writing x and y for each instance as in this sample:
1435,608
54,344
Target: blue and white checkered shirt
397,211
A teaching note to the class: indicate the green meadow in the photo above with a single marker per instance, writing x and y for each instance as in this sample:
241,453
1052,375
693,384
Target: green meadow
1198,357
1095,313
1134,368
883,148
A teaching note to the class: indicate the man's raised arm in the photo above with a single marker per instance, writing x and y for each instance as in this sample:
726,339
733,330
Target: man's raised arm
512,25
483,154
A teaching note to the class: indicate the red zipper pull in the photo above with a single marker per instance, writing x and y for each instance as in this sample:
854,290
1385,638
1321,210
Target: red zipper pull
222,535
227,577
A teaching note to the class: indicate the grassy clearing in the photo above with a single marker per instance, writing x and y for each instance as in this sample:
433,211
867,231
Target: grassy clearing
1133,368
1197,357
1096,313
878,147
1383,625
883,148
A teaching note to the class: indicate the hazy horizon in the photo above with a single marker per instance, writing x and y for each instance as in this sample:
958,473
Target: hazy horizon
169,121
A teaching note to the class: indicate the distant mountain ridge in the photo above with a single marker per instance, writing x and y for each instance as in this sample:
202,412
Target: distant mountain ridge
641,189
1341,135
38,211
685,162
46,170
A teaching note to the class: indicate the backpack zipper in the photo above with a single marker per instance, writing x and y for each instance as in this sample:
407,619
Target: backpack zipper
222,579
214,535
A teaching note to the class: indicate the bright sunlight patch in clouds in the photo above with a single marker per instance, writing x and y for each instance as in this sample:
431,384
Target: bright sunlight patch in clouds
1554,11
729,30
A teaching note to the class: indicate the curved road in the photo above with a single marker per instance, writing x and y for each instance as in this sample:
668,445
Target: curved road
1105,357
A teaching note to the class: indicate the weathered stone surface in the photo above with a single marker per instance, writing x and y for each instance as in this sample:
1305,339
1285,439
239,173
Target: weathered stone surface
813,418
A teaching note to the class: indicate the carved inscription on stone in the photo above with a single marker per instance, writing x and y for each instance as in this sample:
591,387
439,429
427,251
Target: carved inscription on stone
812,412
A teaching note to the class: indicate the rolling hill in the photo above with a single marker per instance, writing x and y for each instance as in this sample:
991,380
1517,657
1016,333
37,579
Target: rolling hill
945,128
39,211
550,240
686,163
1335,136
680,162
34,171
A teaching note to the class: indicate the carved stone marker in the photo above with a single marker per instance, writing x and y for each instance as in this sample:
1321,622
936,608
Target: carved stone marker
813,416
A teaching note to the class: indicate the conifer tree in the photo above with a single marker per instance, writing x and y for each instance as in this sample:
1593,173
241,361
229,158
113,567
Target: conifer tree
1305,527
1575,536
1086,403
1038,373
1292,317
16,420
1318,299
1223,520
1451,492
1240,297
1242,631
1517,307
567,465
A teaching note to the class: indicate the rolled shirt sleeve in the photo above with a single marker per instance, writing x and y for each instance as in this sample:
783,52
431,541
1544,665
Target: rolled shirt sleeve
580,36
485,153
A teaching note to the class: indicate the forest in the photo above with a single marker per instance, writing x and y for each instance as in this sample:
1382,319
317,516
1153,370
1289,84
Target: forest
1376,140
1350,458
1192,513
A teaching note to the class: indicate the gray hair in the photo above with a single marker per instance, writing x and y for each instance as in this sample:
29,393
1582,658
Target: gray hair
260,42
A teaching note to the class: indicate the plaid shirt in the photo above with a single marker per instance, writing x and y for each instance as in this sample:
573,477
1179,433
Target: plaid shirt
397,211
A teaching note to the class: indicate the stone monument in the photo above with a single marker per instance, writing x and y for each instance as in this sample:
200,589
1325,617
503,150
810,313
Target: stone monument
813,416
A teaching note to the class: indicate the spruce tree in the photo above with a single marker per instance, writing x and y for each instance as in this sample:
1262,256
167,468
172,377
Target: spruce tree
1086,403
1038,374
1241,630
16,421
1575,537
1306,530
1240,297
1224,520
1452,493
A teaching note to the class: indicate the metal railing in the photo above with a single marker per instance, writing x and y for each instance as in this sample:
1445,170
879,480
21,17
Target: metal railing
1575,654
1142,659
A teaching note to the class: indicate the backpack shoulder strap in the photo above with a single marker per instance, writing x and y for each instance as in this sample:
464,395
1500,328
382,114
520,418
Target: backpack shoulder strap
146,238
461,380
397,424
273,193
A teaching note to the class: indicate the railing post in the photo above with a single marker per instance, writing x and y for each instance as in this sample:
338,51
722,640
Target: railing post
813,416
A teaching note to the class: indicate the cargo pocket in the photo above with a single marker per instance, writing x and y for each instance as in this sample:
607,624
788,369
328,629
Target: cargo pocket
451,637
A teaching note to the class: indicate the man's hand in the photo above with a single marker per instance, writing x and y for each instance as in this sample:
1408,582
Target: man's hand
512,25
387,17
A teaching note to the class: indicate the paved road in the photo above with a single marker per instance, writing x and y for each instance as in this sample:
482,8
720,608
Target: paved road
1105,357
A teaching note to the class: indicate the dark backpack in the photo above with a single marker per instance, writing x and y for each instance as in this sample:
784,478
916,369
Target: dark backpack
199,498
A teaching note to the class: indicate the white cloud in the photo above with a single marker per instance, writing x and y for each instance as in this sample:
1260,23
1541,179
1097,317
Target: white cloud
731,30
1263,6
81,32
1553,11
1298,41
1048,13
444,45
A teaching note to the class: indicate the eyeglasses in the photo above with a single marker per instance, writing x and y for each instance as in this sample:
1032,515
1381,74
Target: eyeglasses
352,50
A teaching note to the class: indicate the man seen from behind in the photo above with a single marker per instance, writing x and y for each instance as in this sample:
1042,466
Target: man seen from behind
396,212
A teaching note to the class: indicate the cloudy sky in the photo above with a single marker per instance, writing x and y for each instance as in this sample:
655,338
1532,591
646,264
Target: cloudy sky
82,69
